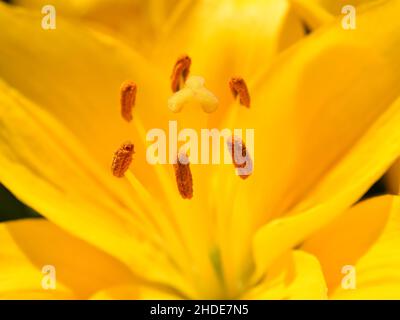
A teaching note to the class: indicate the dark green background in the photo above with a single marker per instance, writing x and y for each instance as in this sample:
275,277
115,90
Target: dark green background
11,208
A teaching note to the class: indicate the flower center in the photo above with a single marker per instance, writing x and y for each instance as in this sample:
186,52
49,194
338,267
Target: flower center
186,90
168,235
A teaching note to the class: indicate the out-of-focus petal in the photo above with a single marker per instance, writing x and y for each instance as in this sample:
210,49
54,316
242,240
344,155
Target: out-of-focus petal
366,238
296,276
28,246
317,132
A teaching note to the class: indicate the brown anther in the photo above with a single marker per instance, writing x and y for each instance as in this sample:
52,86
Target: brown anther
183,176
122,159
240,158
128,97
239,90
180,72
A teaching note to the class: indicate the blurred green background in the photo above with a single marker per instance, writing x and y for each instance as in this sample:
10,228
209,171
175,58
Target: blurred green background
11,208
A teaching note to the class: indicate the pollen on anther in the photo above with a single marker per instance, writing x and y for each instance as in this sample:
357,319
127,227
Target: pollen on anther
180,72
239,91
183,176
240,157
128,98
122,159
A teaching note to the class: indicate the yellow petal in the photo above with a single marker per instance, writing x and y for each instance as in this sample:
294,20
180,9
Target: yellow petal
392,178
239,31
71,190
314,15
79,84
297,276
122,292
335,6
327,92
321,115
355,173
367,238
349,237
141,292
137,22
80,269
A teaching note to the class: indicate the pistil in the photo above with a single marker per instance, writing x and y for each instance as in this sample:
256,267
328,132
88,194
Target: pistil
193,92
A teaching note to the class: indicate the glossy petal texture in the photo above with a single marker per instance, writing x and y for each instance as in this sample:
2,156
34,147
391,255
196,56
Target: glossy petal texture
331,129
323,143
80,269
297,276
366,238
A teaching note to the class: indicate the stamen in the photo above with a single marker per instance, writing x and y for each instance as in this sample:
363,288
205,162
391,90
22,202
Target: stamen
183,176
239,90
128,97
240,157
180,73
122,159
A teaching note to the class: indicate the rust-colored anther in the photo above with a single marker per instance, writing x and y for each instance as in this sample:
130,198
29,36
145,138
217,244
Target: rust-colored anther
240,157
180,73
239,90
122,159
128,97
183,176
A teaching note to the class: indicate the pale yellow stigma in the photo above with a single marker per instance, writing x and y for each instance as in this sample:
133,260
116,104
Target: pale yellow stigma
195,93
122,159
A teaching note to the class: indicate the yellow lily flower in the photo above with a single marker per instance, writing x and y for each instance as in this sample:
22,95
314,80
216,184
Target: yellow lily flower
325,114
